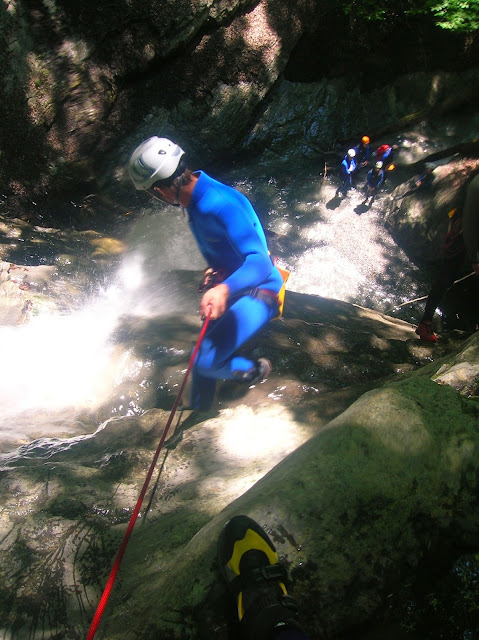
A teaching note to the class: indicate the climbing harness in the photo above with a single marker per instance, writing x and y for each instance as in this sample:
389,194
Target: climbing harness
211,278
282,292
131,524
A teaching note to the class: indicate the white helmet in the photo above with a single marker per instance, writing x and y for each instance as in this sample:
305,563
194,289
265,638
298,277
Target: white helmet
351,153
154,159
379,164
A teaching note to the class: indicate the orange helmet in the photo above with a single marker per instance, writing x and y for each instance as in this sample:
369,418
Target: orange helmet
365,139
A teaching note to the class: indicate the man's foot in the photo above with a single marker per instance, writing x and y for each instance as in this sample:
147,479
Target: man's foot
261,372
425,332
249,564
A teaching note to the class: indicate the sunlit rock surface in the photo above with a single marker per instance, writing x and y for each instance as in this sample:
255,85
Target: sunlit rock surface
221,57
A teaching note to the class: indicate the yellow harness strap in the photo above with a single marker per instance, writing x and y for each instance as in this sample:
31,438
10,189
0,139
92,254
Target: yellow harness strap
282,292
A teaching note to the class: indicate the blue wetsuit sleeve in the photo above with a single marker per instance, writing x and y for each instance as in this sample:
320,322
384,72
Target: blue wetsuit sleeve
381,179
244,238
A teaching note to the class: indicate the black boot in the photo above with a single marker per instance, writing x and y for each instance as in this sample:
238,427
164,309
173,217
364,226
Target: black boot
249,563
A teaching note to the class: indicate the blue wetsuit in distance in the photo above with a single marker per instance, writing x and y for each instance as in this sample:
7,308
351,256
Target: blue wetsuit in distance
348,167
375,178
231,238
362,154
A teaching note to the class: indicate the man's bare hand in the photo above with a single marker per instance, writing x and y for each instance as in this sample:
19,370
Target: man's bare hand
475,266
214,302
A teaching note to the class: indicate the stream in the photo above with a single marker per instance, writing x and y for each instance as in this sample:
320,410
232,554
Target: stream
62,365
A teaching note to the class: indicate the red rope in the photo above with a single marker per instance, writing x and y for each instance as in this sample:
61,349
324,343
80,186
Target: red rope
131,524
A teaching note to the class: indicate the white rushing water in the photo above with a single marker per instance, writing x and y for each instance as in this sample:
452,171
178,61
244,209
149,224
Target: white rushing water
60,364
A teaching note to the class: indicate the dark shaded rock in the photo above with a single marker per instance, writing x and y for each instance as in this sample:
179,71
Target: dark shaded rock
84,84
418,218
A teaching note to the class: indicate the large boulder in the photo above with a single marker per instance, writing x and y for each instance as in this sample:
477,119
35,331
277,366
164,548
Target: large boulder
300,120
418,218
83,85
383,492
76,78
340,479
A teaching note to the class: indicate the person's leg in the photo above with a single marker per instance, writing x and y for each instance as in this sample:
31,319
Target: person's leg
445,278
240,322
344,177
216,359
366,193
202,393
348,183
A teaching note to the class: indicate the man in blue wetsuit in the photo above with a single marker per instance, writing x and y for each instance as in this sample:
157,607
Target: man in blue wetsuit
363,151
242,283
375,178
348,167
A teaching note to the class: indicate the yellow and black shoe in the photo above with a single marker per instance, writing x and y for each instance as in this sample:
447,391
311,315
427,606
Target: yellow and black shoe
249,564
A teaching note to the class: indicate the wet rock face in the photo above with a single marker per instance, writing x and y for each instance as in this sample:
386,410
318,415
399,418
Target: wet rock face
68,499
83,82
418,217
97,73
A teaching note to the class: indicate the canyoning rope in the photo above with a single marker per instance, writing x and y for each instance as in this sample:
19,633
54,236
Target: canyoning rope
404,304
131,524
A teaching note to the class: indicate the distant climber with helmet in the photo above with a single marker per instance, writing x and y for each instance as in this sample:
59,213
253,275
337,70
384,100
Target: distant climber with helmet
460,247
385,154
241,284
374,181
363,150
348,166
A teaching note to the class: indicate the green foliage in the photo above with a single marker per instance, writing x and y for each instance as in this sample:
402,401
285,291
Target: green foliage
454,15
367,10
457,15
448,609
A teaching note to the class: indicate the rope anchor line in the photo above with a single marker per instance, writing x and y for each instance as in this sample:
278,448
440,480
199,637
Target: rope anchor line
404,304
116,565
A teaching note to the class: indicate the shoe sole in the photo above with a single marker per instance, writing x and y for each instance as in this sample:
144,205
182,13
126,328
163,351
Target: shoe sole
264,374
242,530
